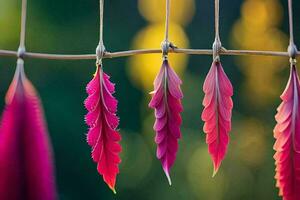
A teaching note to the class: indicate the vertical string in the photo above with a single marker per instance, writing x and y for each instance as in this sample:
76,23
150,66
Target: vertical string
167,20
100,48
292,49
166,44
101,2
217,45
217,19
291,24
21,50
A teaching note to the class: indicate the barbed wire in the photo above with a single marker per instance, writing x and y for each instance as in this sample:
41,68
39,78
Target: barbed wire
106,54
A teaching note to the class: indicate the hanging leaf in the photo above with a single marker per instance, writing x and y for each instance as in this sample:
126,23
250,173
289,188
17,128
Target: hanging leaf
217,111
103,122
287,145
26,167
166,100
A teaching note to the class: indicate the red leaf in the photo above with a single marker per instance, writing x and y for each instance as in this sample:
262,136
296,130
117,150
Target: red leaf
287,145
166,100
26,167
103,122
217,111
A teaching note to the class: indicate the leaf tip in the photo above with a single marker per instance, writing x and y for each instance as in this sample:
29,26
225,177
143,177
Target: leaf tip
168,177
113,189
215,173
216,169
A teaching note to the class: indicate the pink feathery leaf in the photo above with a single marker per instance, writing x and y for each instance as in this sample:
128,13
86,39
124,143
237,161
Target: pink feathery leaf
102,120
287,145
166,100
217,111
26,166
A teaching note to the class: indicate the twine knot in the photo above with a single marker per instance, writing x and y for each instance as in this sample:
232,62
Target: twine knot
217,47
21,52
292,51
100,52
166,46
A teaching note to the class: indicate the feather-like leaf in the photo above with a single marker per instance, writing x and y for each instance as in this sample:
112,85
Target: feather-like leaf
26,167
217,112
287,145
102,120
166,100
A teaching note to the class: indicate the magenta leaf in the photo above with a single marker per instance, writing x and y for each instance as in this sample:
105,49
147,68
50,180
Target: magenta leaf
102,120
166,100
217,111
287,145
26,166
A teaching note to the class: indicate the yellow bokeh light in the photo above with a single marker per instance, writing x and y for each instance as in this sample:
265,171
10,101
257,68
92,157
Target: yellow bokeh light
144,68
266,12
258,28
182,11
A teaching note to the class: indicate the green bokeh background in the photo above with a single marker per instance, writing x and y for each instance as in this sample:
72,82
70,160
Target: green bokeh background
71,26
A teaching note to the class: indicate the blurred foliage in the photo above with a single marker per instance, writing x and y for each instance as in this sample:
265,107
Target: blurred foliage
153,11
71,26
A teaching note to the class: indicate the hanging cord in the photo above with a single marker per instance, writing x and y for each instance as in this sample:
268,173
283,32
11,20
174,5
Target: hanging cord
22,50
100,50
167,20
292,49
166,44
217,45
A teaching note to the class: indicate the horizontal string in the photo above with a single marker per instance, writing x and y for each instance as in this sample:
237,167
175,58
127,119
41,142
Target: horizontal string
8,53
